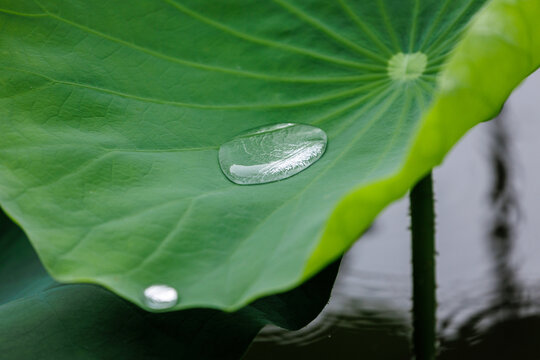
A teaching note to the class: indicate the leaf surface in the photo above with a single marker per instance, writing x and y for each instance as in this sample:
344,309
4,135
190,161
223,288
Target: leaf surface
113,116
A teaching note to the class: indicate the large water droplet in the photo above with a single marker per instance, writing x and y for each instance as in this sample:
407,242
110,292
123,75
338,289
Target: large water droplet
271,153
159,297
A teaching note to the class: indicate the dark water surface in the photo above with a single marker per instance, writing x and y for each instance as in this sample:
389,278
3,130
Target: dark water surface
488,275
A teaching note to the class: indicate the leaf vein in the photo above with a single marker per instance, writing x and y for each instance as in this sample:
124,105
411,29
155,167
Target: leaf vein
255,39
189,63
364,28
329,32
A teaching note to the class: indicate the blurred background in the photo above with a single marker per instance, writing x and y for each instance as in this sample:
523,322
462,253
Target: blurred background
488,262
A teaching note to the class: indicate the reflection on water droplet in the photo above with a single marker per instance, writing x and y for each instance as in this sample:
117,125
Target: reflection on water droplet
271,153
159,297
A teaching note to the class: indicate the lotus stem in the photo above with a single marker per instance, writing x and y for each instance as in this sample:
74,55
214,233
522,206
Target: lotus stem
423,264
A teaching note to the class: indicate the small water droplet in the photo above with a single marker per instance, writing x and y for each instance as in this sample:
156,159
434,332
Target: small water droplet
159,297
271,153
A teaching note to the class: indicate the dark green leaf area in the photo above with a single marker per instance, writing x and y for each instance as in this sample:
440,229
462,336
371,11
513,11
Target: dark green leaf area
42,319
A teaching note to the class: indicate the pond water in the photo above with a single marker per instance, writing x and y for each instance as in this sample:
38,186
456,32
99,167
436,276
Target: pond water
488,263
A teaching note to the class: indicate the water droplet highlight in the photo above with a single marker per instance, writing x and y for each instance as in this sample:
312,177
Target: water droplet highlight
271,153
160,297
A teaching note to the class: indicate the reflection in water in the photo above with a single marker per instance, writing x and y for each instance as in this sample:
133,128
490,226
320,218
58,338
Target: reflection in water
371,327
364,335
509,338
505,207
506,327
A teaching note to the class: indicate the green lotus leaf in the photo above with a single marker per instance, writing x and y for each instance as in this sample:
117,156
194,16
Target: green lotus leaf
42,319
113,114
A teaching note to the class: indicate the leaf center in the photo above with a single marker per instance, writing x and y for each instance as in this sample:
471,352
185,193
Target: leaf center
406,67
